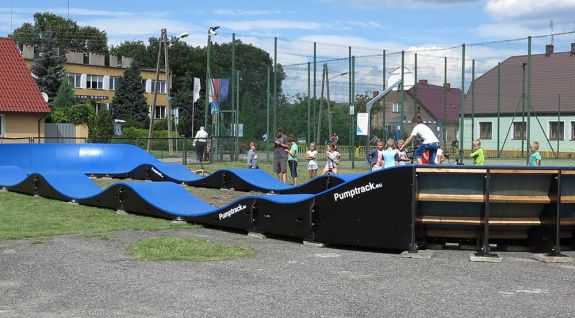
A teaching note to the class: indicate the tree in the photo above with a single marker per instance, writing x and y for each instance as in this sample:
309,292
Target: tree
69,36
101,126
49,66
65,97
129,102
184,100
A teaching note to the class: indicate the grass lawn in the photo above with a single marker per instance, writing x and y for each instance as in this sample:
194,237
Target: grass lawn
186,249
24,216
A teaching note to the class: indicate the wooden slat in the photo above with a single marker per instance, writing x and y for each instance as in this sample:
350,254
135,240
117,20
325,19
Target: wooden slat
568,199
502,198
523,171
474,198
472,220
437,197
567,221
450,170
568,172
514,235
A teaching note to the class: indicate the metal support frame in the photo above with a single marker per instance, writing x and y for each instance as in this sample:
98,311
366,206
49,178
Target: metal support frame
483,248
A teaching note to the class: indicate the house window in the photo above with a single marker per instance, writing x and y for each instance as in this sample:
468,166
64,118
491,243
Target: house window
573,130
2,125
556,129
94,81
75,80
396,108
160,112
114,80
519,130
485,130
161,86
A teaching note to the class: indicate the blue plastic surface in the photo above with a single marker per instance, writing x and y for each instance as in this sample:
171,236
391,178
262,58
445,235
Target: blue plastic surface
11,176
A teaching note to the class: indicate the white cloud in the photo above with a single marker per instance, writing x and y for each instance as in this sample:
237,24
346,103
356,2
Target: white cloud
269,25
404,4
520,9
231,12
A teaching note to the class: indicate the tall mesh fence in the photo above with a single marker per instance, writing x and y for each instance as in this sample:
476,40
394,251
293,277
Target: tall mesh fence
506,96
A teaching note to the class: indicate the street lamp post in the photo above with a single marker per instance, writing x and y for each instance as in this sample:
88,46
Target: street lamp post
211,31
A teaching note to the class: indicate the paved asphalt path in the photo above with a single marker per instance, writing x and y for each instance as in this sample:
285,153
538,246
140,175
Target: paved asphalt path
77,276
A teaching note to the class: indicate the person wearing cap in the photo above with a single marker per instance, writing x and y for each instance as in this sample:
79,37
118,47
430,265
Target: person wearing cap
200,142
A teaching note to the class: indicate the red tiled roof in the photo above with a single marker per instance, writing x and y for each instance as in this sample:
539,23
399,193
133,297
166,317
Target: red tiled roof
431,97
18,90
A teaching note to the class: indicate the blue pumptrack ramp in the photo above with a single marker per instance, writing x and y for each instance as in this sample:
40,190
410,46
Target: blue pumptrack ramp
11,176
395,208
127,161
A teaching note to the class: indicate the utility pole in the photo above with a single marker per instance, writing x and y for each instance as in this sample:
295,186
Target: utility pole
168,108
155,88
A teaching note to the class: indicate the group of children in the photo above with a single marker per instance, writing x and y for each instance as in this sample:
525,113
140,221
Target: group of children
333,159
379,158
479,156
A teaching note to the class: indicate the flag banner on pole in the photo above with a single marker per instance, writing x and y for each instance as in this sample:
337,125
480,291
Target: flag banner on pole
197,88
215,90
224,89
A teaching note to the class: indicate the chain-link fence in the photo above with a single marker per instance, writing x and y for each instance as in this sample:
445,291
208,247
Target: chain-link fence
506,94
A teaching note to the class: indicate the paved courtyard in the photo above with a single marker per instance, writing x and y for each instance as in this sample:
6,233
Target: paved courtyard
78,276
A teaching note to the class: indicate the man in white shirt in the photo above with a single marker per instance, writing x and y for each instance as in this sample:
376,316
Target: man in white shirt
430,142
200,142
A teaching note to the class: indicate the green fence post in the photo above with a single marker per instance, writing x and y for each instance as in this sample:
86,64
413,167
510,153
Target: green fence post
401,93
308,102
444,100
472,100
185,151
314,82
528,95
383,99
353,117
275,81
462,101
268,132
498,109
351,102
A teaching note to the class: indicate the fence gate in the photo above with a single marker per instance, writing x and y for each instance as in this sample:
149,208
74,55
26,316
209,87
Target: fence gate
63,133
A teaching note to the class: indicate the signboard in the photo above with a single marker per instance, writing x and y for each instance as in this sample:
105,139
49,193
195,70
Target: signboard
351,110
214,108
238,130
362,120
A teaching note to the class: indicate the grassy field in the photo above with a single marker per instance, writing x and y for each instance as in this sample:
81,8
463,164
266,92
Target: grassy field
186,249
23,216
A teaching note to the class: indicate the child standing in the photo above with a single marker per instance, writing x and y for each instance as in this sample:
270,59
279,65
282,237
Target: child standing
333,157
401,158
389,154
478,155
375,158
292,158
252,157
535,158
312,163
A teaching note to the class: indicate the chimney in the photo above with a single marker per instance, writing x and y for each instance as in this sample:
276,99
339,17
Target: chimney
572,48
447,85
423,81
375,93
548,49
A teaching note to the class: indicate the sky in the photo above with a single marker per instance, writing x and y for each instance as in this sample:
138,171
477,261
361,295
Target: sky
368,26
378,24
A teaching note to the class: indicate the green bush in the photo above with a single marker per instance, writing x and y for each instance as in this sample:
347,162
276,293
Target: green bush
101,126
77,114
